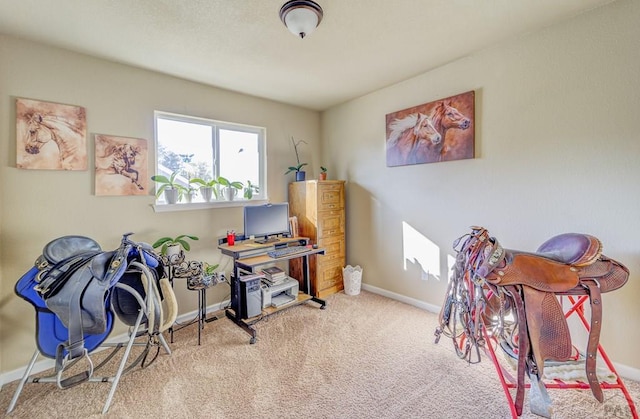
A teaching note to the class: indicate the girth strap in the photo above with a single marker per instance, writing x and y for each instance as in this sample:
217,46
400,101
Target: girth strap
523,344
594,337
75,344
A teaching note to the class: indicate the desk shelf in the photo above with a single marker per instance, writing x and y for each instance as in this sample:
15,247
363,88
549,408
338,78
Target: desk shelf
246,324
249,255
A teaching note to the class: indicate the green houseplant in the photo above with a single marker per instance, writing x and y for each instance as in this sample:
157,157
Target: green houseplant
229,188
250,189
323,173
170,245
189,193
300,174
207,187
172,190
209,269
206,277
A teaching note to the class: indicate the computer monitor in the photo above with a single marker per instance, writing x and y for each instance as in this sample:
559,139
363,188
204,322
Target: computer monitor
266,222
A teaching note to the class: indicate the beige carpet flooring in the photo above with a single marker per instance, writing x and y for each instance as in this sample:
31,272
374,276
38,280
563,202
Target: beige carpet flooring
365,356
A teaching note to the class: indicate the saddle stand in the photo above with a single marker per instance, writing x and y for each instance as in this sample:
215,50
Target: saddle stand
520,302
539,400
133,294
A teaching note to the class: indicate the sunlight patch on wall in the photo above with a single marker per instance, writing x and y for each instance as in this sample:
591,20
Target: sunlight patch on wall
421,250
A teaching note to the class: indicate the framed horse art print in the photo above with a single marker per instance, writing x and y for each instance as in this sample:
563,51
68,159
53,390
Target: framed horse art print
437,131
50,136
121,165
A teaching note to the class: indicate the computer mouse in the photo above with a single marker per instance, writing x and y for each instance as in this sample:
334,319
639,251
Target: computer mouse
315,246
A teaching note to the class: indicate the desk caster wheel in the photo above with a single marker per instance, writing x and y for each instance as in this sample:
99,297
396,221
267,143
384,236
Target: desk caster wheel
252,341
322,307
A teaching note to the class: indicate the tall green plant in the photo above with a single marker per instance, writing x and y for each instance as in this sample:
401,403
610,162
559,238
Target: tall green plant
300,165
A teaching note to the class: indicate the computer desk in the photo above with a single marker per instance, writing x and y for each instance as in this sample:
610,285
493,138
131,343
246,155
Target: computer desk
248,255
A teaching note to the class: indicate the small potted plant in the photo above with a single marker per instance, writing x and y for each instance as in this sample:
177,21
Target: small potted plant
300,174
229,188
189,193
173,190
250,189
205,276
207,188
323,173
173,245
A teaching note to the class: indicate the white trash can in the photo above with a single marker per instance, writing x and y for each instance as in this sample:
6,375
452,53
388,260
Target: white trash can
352,279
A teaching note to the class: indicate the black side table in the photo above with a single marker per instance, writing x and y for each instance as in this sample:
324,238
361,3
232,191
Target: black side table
192,272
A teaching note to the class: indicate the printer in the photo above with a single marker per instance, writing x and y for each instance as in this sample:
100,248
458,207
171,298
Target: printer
279,294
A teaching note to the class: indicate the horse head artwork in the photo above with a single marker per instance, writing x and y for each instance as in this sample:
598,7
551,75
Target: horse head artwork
119,156
445,117
409,136
42,129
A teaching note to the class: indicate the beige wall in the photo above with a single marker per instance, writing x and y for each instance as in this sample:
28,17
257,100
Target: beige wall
37,206
557,150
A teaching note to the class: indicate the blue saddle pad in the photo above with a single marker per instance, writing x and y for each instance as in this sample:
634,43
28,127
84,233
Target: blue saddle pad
50,332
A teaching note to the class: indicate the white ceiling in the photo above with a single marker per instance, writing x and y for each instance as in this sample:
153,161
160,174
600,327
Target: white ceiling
241,45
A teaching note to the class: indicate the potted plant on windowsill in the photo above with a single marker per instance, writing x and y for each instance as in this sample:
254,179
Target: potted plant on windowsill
229,188
300,174
207,188
323,173
189,193
250,189
172,190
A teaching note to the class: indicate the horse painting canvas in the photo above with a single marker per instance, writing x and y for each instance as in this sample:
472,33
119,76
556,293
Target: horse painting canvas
121,165
437,131
50,136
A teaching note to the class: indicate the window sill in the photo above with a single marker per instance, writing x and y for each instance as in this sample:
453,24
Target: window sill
207,205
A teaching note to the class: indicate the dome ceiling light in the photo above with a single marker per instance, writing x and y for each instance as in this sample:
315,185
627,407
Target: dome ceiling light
301,17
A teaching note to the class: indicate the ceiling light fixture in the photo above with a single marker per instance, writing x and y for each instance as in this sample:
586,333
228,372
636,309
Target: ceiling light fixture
301,17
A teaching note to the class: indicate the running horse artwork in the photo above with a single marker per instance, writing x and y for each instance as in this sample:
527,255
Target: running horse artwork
50,136
450,134
120,165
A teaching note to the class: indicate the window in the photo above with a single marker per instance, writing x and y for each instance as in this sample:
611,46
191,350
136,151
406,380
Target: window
206,149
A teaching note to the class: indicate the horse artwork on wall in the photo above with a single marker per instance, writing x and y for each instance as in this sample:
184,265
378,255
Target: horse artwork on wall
437,131
121,165
50,136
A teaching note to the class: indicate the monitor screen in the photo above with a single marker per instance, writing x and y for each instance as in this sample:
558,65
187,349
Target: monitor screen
263,221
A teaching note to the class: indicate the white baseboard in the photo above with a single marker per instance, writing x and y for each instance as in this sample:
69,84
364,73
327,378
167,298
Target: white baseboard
624,370
399,297
47,363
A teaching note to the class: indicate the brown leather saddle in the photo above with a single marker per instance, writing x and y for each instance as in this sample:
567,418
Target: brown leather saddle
528,284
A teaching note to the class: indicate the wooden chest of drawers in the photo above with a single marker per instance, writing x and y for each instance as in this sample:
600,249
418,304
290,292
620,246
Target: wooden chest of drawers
319,206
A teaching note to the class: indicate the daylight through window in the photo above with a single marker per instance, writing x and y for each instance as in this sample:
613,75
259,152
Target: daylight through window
197,153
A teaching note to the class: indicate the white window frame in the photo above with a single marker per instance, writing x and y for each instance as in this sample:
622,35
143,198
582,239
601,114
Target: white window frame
259,198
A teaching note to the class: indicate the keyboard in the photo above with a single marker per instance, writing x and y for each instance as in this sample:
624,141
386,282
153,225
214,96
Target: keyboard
286,251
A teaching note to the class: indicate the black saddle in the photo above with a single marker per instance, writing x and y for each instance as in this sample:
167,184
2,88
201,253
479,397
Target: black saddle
76,287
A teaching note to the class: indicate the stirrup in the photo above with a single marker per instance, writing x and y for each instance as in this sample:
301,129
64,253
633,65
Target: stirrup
74,379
